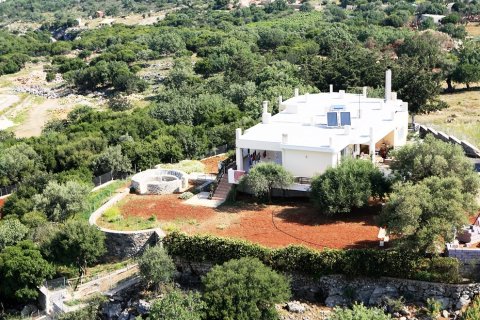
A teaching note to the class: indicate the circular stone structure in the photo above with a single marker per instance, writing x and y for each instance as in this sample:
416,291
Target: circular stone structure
159,181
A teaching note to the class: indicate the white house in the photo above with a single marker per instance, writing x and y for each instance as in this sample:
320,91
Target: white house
313,132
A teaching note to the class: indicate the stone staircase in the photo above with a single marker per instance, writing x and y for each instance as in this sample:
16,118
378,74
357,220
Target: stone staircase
222,190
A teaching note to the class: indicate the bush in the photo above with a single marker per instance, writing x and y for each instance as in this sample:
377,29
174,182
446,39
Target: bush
315,263
185,195
433,307
176,305
266,176
439,269
156,266
473,311
112,214
349,185
359,312
244,289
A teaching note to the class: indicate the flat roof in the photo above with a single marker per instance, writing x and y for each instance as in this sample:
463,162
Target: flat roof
304,120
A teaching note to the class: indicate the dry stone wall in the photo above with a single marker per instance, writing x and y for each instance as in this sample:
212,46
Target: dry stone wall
469,149
337,290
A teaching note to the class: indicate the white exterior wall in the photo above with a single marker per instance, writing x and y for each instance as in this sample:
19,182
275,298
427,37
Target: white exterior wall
401,127
307,163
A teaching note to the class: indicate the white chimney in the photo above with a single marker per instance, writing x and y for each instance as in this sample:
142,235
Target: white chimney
296,92
284,138
388,84
365,92
265,106
331,88
280,100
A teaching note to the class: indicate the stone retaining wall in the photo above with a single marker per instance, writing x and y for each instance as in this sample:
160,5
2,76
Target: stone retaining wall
469,259
336,290
125,244
469,149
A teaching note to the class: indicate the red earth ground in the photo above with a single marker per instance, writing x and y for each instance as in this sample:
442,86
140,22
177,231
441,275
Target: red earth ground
294,222
211,163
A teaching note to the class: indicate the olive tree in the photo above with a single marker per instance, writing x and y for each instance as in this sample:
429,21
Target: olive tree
78,243
11,232
266,176
244,289
425,215
61,201
433,157
156,266
22,270
349,185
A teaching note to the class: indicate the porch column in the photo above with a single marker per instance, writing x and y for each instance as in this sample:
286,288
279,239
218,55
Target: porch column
372,146
238,154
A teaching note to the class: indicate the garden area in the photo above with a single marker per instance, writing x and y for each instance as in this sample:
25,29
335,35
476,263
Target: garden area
272,225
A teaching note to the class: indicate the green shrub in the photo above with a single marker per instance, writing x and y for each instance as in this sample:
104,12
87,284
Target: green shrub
473,311
156,266
439,269
244,289
359,312
347,186
112,214
185,196
433,307
299,259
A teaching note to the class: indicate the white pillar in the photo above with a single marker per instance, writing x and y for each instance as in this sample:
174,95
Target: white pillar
372,145
238,151
331,88
388,84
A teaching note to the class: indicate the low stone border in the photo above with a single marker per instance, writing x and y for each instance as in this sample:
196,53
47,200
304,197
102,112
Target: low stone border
469,149
125,244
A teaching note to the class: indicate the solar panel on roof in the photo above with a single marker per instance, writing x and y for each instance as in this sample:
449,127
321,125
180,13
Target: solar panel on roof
345,119
332,120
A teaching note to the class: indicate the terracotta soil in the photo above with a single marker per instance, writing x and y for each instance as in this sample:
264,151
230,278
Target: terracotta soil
211,163
2,202
278,225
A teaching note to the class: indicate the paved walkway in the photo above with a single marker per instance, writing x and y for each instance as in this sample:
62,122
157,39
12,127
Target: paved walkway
201,199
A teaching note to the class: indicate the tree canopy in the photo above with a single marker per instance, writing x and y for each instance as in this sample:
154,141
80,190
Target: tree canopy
244,289
22,270
349,185
266,176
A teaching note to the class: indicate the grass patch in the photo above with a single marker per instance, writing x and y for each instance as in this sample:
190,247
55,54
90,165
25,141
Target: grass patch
461,119
129,223
98,198
187,166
